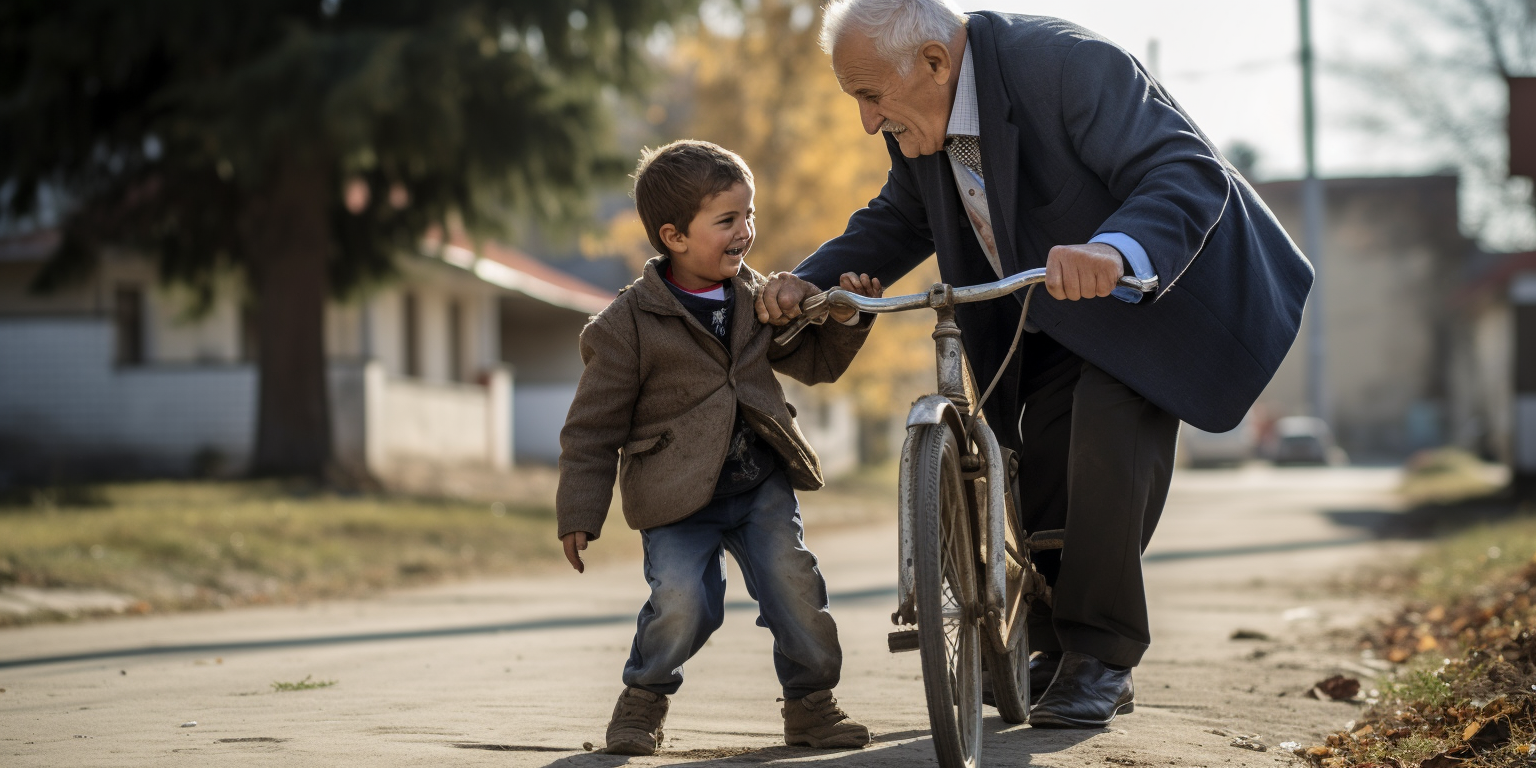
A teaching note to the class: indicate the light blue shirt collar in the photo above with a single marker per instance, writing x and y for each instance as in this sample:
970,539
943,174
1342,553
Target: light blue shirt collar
964,120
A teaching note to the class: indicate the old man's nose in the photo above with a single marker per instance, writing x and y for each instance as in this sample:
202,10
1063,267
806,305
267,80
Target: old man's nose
871,119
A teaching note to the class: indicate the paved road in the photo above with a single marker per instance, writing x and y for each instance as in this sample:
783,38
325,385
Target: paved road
521,672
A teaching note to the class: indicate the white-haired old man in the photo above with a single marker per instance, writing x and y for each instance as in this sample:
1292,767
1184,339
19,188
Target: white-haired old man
1020,142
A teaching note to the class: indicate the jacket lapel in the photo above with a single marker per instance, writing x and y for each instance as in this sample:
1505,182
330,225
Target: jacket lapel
999,141
656,298
653,293
744,323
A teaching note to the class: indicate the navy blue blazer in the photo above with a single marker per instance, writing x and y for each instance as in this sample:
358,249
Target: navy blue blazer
1077,140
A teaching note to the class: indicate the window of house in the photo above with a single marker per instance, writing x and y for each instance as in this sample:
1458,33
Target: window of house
411,320
456,341
128,325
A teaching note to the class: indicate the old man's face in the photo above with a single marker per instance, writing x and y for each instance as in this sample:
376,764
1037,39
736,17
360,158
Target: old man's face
914,108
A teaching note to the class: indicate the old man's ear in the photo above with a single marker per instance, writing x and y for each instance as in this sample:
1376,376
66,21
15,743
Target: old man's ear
936,55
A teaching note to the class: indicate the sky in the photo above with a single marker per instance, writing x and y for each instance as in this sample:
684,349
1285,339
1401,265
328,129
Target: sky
1233,64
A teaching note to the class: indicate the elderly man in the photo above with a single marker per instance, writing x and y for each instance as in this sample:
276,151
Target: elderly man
1018,142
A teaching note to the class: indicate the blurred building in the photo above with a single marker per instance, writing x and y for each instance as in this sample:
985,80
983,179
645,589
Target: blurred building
117,376
468,361
1493,361
1394,259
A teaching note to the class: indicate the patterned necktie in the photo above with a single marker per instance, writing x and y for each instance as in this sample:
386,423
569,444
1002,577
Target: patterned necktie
966,149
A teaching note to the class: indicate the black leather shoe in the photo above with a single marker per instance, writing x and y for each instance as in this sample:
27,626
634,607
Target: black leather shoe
1042,668
1084,694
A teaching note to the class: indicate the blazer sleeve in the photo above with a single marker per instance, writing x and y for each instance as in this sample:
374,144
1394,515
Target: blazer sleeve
1134,137
886,239
596,427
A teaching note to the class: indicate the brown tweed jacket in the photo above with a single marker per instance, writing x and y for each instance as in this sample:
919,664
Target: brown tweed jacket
658,399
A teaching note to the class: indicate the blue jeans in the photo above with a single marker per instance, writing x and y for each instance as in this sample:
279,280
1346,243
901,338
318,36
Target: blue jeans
685,565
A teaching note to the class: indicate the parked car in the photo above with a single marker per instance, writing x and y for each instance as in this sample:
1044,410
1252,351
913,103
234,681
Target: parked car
1299,440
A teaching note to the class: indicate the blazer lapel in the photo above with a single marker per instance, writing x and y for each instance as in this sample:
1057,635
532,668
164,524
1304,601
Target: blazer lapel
999,142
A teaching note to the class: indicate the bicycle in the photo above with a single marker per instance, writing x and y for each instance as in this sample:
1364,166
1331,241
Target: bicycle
965,579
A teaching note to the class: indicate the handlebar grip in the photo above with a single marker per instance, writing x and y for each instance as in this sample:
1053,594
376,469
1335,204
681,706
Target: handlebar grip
1145,286
792,330
813,311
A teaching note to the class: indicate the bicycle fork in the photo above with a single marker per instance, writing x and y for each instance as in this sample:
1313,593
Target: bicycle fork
989,465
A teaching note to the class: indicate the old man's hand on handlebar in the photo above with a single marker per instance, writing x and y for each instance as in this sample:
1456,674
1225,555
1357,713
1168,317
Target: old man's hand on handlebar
779,301
1089,271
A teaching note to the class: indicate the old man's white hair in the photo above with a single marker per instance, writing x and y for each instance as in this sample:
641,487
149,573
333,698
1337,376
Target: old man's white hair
898,27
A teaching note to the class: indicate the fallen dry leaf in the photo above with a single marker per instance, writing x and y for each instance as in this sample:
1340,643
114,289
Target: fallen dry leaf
1484,735
1336,688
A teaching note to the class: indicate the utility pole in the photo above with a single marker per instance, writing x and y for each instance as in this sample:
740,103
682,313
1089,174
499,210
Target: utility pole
1313,213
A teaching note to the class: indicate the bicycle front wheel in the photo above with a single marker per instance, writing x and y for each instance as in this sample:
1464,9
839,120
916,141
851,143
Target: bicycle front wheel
947,601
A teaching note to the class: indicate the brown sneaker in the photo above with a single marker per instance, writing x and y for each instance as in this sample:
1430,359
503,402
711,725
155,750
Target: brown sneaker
636,725
816,721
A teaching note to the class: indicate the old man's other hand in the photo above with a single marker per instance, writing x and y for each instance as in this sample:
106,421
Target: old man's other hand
779,301
1089,271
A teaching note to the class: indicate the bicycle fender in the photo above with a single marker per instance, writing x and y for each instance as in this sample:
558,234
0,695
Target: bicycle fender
937,409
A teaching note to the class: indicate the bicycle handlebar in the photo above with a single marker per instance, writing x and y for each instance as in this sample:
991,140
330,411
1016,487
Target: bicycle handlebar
813,311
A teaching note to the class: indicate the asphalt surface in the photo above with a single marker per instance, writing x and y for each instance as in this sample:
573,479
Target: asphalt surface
524,671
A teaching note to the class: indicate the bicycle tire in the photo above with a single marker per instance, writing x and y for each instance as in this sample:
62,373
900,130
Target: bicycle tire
947,601
1008,672
1009,675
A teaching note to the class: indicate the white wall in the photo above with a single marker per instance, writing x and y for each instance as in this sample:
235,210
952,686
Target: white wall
63,402
538,413
435,422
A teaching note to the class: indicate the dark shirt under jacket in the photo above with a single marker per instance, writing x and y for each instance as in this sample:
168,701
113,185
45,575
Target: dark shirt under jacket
748,461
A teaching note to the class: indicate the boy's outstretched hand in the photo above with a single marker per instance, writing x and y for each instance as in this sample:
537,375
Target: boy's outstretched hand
863,285
575,543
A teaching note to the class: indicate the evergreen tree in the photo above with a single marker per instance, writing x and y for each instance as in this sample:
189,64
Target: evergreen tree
304,142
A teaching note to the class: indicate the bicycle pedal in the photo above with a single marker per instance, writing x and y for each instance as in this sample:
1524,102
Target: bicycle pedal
1042,540
904,640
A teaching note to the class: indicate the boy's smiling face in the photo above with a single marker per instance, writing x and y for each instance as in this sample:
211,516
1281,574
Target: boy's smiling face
717,241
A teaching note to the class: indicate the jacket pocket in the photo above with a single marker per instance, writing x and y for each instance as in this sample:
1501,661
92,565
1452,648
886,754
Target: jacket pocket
648,446
1065,199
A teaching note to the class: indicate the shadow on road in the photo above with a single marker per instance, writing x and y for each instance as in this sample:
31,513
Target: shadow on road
1002,745
564,622
1426,521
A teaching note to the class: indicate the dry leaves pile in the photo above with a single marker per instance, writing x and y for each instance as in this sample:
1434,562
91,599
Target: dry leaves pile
1476,708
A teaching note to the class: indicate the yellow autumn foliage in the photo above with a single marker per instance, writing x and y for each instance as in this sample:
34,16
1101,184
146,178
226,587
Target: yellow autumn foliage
762,87
768,93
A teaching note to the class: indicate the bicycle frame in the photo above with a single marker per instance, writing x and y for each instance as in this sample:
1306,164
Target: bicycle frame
950,404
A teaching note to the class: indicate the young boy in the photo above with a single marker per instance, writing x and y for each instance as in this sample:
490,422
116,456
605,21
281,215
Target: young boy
679,394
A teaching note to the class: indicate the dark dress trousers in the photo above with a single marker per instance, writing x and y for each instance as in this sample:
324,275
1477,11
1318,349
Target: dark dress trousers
1078,140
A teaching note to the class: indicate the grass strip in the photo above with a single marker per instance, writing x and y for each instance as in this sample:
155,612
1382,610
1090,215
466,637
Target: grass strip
180,545
1463,692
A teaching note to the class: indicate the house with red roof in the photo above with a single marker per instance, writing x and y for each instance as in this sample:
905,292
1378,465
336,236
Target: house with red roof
469,360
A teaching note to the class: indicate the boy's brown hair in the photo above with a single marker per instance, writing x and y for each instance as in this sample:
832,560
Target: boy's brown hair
673,181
